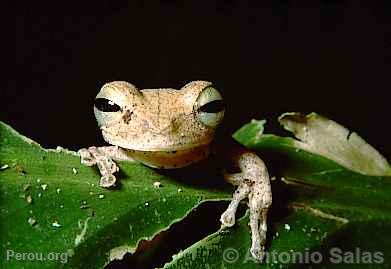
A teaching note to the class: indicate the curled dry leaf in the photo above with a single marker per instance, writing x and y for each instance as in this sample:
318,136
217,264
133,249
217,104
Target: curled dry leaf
327,138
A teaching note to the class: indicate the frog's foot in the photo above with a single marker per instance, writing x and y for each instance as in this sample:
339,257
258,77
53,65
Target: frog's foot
259,203
253,182
107,167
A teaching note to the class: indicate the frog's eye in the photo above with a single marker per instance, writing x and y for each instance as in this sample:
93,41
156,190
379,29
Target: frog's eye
106,111
210,107
106,105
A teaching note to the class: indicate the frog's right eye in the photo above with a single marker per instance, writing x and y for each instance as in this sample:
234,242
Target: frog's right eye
106,105
210,107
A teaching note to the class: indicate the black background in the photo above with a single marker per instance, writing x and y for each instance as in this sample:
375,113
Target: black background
266,58
329,57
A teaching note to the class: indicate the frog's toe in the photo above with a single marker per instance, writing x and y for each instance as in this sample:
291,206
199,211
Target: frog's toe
86,157
106,165
227,219
258,252
107,181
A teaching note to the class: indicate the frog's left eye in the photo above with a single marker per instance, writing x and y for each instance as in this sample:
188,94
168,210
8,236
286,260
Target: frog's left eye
210,107
106,111
106,105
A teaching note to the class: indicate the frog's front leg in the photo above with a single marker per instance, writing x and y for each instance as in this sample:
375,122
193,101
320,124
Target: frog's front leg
104,158
253,182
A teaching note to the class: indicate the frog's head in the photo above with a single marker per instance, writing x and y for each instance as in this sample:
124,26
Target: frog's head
158,119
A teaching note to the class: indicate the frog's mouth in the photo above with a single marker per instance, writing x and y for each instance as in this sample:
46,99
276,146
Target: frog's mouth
156,142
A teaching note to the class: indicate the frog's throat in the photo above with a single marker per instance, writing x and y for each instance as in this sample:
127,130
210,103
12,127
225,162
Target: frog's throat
170,159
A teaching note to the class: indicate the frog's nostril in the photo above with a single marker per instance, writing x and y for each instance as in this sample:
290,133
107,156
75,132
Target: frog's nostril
127,116
167,127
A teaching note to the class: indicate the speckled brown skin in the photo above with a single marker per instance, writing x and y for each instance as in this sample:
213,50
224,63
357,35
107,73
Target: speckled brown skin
161,128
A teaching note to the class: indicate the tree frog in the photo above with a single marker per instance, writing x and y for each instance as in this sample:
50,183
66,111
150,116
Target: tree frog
168,128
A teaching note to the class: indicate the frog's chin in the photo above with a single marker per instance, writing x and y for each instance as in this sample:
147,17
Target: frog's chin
170,159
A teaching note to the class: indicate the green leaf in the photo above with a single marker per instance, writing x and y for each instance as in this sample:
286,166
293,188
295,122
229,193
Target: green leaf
324,199
51,206
319,204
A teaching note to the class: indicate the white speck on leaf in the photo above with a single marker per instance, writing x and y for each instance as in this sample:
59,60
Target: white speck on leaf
4,166
32,221
157,184
56,224
58,190
101,196
44,186
74,171
287,227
